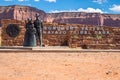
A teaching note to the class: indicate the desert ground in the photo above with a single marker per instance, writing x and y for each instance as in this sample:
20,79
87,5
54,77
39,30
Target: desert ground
59,66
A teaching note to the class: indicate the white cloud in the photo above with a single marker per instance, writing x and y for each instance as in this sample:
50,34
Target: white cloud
89,10
115,8
51,0
20,0
57,11
99,1
29,4
36,0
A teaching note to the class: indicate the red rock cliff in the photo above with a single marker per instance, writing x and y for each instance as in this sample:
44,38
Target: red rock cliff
23,12
20,12
85,18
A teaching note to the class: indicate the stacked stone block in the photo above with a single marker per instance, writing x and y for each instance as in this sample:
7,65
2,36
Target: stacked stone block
89,41
12,41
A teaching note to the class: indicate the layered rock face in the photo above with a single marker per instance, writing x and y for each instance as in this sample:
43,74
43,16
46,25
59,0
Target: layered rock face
75,18
111,20
23,12
85,18
20,12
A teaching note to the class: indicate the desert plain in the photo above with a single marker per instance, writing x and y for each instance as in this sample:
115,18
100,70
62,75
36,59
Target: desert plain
59,65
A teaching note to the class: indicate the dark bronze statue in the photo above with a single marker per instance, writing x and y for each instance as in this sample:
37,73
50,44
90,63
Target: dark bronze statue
39,27
30,37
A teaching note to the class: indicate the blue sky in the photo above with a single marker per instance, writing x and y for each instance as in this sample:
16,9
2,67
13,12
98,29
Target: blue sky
102,6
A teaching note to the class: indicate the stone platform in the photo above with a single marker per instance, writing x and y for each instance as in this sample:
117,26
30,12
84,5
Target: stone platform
52,49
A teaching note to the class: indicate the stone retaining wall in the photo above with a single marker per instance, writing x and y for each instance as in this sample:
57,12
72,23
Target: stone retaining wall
66,37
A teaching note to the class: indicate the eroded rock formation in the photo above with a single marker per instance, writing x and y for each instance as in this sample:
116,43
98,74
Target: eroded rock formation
23,12
85,18
19,12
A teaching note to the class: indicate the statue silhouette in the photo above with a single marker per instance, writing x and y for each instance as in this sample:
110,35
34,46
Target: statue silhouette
30,38
39,28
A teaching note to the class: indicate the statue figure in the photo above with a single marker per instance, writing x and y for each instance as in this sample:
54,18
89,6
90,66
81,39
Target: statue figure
39,28
30,38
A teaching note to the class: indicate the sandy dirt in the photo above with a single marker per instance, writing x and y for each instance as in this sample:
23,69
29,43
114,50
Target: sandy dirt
59,66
